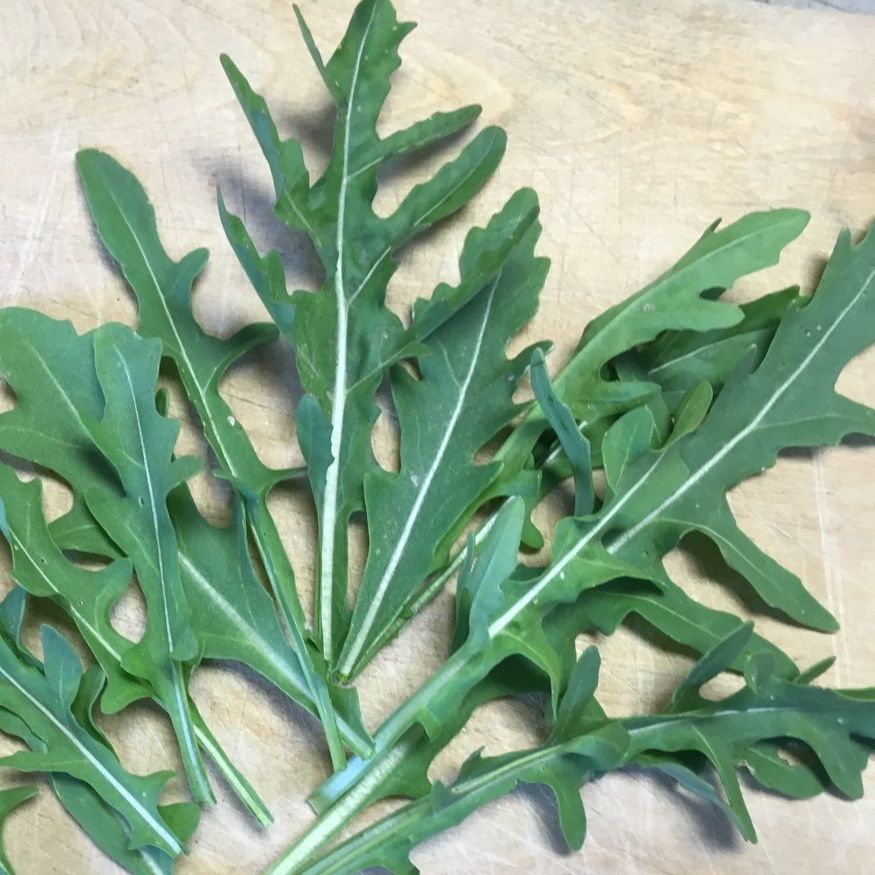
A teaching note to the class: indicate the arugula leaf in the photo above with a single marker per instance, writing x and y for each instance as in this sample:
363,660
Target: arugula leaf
138,443
676,363
88,597
126,223
708,354
107,830
10,799
42,570
463,398
41,698
574,445
679,360
104,825
653,497
680,299
343,336
733,732
62,422
52,372
237,620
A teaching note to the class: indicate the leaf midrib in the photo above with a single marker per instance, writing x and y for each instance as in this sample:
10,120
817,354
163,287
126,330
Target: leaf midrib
338,408
358,642
199,388
497,626
159,828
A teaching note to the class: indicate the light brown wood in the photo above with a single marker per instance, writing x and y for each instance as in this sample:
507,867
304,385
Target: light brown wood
638,124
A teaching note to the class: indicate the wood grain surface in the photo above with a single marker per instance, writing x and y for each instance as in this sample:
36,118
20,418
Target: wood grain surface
638,124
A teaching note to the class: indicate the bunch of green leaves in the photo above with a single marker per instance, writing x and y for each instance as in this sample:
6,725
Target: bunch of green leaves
49,706
672,396
693,741
606,559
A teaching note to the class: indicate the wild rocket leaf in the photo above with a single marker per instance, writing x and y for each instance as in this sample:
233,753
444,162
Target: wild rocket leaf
562,766
107,829
740,730
10,799
88,597
103,824
693,733
52,371
709,337
674,365
126,222
41,698
655,496
138,443
680,360
237,620
461,400
343,335
85,409
680,300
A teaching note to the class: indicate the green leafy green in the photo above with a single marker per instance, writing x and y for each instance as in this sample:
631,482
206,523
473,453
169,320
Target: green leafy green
106,827
88,597
10,799
671,399
690,735
86,410
653,497
51,376
126,222
465,387
710,340
343,336
41,697
681,299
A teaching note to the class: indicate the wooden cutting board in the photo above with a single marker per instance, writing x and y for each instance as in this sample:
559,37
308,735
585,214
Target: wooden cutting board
638,124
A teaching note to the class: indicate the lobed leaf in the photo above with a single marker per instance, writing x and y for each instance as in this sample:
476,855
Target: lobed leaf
654,496
738,731
344,337
10,799
126,222
461,400
41,698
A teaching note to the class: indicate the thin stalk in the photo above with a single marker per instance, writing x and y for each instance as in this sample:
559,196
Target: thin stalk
233,777
418,820
178,707
363,781
281,578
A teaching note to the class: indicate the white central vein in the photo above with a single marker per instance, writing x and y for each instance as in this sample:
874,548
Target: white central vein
695,477
244,627
413,516
240,624
199,388
68,401
697,351
71,604
157,826
153,506
183,724
332,474
336,816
